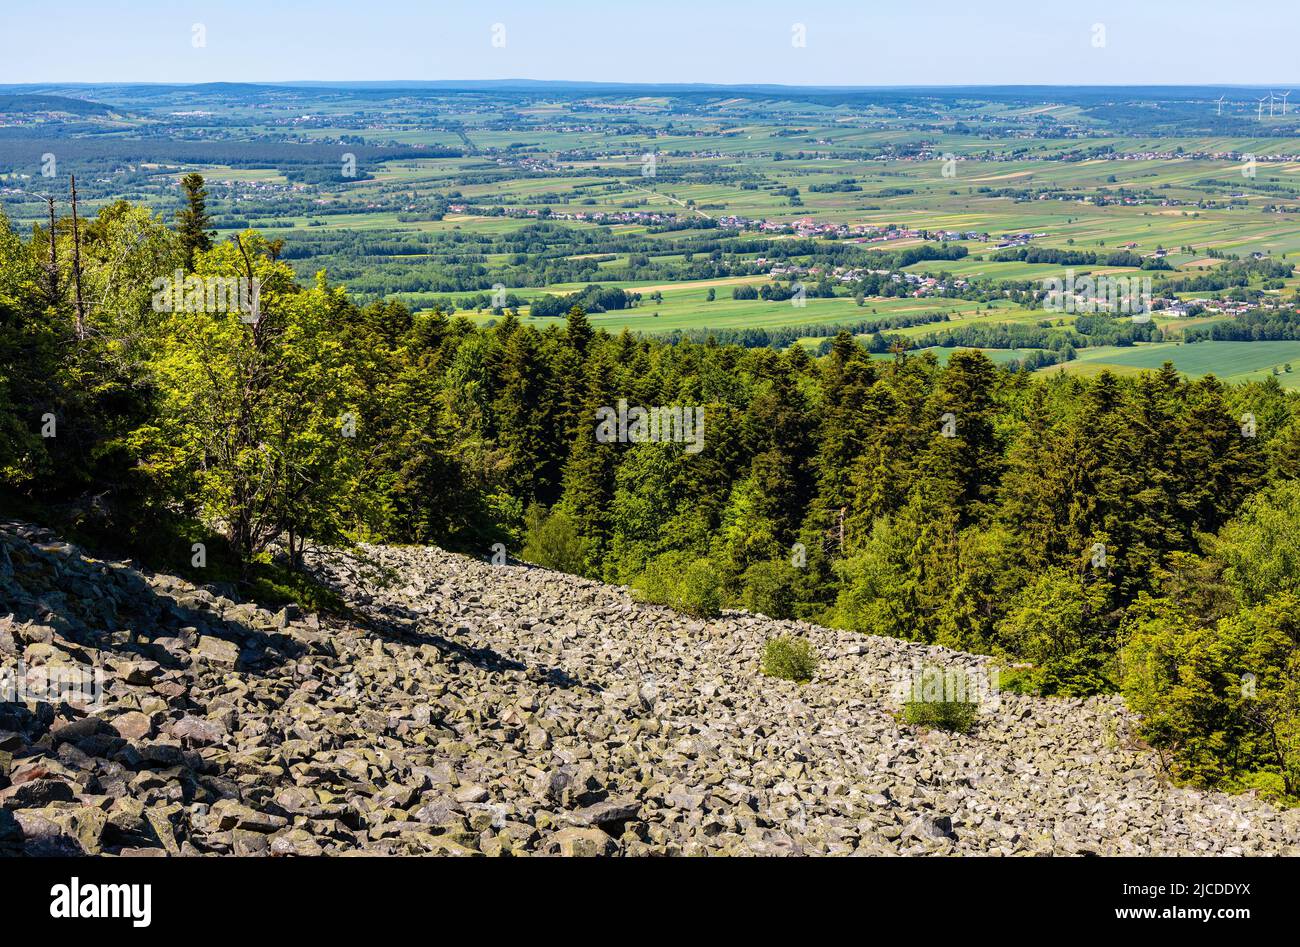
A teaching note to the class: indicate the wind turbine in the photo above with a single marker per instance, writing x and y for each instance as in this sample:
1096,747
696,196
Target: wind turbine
1283,97
1270,104
1259,113
1221,98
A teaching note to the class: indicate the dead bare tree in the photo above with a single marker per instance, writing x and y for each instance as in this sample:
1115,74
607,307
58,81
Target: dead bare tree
76,264
52,268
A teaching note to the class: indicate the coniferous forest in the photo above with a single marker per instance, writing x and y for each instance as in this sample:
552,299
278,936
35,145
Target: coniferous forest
1138,535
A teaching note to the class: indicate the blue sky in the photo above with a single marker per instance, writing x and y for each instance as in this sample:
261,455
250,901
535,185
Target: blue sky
866,42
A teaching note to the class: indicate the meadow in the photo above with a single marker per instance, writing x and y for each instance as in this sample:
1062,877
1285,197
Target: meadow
1228,361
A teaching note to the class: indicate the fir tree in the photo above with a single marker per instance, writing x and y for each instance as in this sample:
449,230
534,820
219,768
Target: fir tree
193,222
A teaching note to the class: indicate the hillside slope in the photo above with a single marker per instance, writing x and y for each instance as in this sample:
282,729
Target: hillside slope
505,709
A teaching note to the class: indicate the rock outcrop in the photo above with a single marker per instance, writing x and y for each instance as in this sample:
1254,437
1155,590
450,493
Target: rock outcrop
470,709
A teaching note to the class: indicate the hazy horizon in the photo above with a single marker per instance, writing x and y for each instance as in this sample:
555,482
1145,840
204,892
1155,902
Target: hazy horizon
819,43
518,81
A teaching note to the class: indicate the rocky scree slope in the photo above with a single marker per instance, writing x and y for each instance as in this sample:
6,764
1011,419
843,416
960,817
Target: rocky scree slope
473,709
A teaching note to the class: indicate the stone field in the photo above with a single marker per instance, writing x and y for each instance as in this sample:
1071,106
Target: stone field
470,709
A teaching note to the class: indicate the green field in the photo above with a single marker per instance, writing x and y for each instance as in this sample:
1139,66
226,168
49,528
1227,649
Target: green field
1229,361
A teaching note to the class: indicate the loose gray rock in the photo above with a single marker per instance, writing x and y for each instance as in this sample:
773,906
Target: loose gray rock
469,709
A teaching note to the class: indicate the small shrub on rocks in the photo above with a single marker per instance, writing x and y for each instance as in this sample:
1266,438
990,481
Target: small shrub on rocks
790,658
956,715
693,586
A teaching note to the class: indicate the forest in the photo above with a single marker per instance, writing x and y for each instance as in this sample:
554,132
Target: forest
1136,535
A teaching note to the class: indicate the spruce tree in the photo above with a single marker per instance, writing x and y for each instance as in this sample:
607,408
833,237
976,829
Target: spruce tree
579,332
528,428
192,220
589,474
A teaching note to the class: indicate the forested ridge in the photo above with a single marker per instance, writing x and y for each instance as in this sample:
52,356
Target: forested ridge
1139,534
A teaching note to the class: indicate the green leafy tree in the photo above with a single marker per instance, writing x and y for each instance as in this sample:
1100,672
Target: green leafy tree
1062,623
769,588
1260,550
1221,702
553,541
254,414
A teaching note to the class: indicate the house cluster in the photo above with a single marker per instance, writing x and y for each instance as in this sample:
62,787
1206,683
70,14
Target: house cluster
622,216
1010,240
588,216
1226,307
258,190
892,232
918,284
1135,200
854,233
12,119
803,227
1186,307
1196,155
544,164
921,285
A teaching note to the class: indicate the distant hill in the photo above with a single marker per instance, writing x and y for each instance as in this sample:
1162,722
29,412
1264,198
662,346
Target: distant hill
22,104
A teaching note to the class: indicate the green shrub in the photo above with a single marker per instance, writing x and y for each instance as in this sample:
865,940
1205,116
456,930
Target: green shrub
930,705
768,588
553,541
1082,673
790,658
1057,615
956,716
1018,680
658,582
690,585
701,590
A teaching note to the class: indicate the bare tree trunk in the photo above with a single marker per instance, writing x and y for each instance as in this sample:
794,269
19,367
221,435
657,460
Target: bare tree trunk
296,544
258,337
53,266
76,263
